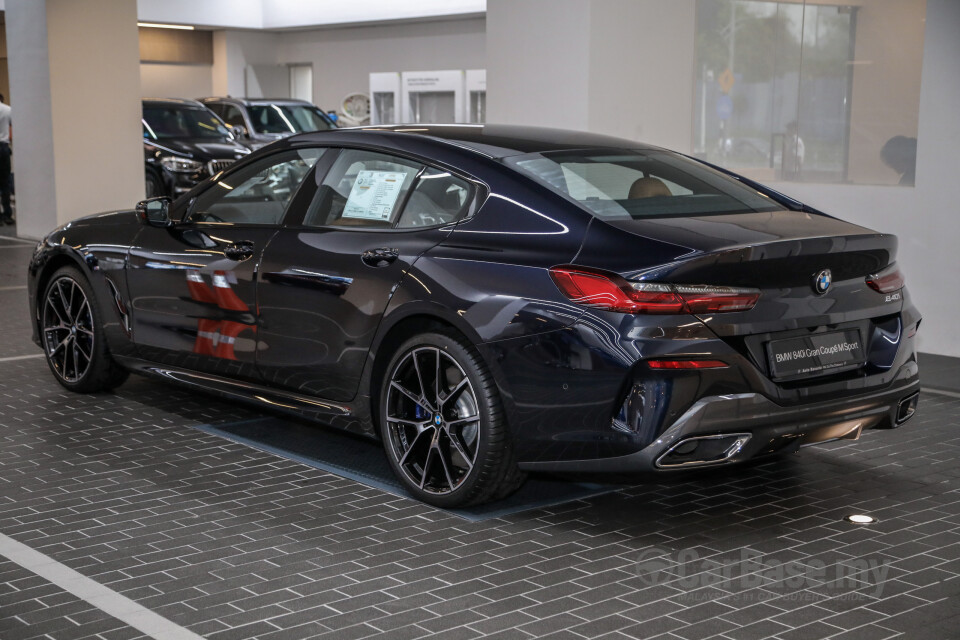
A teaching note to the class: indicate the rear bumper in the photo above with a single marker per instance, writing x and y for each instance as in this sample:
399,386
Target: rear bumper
743,426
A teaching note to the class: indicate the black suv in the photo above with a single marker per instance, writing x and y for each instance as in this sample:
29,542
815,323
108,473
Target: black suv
260,121
184,143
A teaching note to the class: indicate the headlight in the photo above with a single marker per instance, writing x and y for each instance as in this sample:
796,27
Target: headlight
180,165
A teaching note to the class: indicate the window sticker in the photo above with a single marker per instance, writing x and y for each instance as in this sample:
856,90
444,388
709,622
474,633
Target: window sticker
374,195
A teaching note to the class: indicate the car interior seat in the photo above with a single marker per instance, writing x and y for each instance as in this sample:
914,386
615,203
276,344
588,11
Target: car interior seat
648,187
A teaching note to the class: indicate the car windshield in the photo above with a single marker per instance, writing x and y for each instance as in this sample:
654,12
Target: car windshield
161,123
288,118
641,183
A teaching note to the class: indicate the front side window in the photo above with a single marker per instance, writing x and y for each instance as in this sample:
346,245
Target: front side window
363,189
286,118
232,116
258,193
641,184
162,123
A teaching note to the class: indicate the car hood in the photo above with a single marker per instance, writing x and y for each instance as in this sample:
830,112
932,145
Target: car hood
202,149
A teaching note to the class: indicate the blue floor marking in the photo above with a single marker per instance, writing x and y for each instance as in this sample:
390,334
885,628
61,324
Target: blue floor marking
558,492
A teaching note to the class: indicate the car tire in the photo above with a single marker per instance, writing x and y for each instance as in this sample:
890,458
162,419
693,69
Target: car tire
153,184
448,443
72,336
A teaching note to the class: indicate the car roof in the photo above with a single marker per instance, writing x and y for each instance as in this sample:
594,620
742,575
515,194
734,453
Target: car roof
256,101
491,140
172,102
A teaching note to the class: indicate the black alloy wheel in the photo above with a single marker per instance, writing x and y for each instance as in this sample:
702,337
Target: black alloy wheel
443,426
72,338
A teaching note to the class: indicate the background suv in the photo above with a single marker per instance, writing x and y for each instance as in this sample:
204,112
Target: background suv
264,120
183,143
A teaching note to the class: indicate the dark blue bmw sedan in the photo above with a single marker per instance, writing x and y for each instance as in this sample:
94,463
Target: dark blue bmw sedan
493,300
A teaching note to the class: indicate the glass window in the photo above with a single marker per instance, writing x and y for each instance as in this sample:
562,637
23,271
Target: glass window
437,198
258,193
641,184
232,116
810,91
362,189
161,123
288,118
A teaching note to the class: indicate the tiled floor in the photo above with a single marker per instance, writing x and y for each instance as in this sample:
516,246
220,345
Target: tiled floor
231,542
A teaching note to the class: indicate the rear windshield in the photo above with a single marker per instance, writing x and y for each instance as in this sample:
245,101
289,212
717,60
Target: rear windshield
641,183
286,118
161,123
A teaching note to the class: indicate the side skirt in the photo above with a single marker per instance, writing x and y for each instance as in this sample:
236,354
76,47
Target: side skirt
349,417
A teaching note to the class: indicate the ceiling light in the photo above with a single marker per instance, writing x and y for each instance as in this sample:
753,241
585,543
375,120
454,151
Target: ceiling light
860,519
156,25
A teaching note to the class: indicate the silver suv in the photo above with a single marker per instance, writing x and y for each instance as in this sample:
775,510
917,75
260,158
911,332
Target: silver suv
259,121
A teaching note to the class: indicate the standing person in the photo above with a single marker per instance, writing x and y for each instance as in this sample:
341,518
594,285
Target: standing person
900,154
793,152
6,137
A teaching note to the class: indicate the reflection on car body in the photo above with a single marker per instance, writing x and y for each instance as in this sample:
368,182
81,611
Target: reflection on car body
492,300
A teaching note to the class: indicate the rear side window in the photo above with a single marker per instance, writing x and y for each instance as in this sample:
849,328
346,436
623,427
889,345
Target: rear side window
362,189
438,198
370,190
641,184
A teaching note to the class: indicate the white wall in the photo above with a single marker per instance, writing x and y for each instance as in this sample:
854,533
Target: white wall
654,99
620,67
233,51
538,63
343,58
175,80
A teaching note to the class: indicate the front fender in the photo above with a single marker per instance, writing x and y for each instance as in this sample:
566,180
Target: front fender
98,247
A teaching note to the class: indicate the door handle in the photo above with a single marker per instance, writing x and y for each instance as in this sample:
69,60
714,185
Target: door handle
380,257
239,250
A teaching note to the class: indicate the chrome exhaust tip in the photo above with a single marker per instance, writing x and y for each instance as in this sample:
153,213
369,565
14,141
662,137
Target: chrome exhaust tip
907,407
702,450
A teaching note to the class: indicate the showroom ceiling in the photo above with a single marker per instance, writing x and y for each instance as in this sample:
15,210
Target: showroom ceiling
294,14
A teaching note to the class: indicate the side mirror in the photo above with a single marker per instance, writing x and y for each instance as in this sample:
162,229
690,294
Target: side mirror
238,131
155,211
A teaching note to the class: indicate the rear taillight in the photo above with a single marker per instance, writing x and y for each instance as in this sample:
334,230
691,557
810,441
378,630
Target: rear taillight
887,281
610,292
710,299
686,364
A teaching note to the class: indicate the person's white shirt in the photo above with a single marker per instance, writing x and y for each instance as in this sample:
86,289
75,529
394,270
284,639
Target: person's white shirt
4,123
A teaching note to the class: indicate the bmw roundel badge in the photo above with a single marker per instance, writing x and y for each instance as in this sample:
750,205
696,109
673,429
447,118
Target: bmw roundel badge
821,281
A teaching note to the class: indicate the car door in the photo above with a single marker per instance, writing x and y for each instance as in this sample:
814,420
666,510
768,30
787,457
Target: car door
327,280
193,284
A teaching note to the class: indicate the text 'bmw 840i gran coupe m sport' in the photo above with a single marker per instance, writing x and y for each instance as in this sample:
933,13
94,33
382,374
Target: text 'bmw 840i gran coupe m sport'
494,300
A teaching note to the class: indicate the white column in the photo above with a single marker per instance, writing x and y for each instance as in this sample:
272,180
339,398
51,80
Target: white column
75,94
618,67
